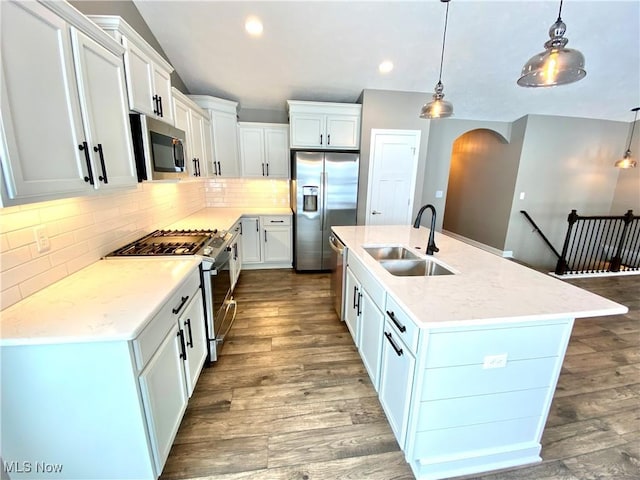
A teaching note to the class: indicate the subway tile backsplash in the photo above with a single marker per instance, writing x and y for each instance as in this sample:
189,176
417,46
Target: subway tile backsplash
82,230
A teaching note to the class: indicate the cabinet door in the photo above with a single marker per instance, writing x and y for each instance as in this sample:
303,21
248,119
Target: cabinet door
351,295
207,144
225,144
103,102
252,154
370,341
251,240
276,145
139,74
277,244
164,395
343,131
41,122
197,139
308,130
396,380
181,117
192,324
162,88
236,256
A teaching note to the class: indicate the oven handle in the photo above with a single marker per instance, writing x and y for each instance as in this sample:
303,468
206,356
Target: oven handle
230,303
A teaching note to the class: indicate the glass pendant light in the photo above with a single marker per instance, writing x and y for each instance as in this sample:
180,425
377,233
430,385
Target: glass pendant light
557,65
439,108
627,161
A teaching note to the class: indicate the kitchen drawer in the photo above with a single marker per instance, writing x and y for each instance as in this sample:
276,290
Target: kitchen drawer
470,380
464,441
404,326
276,220
470,347
370,284
458,412
149,340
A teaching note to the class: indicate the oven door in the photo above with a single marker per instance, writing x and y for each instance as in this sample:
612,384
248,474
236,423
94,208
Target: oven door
221,307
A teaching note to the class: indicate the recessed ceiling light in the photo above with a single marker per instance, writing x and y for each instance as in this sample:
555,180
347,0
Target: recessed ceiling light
253,26
385,67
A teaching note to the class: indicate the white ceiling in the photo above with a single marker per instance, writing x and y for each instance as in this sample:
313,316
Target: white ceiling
330,51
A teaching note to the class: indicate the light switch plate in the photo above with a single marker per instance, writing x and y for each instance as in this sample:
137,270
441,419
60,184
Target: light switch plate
42,240
495,361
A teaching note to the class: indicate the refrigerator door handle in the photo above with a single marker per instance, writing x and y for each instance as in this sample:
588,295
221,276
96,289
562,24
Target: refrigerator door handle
322,199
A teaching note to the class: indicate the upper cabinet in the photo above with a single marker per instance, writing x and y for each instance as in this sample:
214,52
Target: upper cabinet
148,74
327,126
195,122
64,119
264,149
223,115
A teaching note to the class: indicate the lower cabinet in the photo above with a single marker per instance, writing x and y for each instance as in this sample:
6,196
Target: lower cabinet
267,242
104,409
235,264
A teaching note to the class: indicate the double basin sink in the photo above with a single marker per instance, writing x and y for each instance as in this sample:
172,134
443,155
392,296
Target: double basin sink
401,262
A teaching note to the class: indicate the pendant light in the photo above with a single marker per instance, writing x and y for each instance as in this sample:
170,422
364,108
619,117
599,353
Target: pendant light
557,65
439,108
627,161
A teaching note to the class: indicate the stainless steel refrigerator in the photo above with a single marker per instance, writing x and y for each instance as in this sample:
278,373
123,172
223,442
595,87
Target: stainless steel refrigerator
324,193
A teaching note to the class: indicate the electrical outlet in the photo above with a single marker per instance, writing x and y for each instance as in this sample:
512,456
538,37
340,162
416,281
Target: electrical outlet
495,361
42,241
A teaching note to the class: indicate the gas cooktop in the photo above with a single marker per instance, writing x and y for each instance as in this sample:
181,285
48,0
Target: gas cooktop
170,242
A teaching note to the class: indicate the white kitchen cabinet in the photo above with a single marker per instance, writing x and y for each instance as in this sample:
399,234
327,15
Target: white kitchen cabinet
351,310
148,73
267,242
195,339
223,116
72,112
264,150
193,120
396,381
235,264
250,240
370,338
324,125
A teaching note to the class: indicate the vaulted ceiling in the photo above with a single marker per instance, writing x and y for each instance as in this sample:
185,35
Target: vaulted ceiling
330,51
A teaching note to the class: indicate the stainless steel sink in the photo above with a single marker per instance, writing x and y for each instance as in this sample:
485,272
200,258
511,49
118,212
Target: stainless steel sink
414,268
391,253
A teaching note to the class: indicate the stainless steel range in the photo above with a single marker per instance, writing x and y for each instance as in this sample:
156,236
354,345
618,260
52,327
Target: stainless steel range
214,247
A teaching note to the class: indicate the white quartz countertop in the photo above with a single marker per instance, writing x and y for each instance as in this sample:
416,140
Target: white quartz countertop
107,301
224,218
486,288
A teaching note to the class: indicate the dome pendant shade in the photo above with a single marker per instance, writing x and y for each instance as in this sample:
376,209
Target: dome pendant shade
437,108
557,65
627,161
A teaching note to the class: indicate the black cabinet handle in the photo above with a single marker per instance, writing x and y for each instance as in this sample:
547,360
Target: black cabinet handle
183,300
187,323
155,105
219,168
257,226
196,167
320,139
355,296
263,169
199,171
393,344
265,236
160,109
276,221
183,349
401,327
85,148
103,177
240,228
358,310
328,139
267,169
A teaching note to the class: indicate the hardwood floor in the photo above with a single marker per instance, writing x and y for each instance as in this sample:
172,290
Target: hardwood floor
290,398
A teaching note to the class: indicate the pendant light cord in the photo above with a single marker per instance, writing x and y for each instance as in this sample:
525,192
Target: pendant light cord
633,127
444,37
560,12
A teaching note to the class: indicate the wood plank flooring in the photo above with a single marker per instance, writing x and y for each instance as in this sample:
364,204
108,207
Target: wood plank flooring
290,398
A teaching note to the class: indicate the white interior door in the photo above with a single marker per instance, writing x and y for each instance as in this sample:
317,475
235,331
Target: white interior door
392,176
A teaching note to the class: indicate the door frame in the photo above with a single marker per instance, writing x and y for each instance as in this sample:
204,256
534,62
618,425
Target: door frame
414,176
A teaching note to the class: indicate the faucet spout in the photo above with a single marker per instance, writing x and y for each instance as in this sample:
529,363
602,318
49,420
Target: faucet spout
431,245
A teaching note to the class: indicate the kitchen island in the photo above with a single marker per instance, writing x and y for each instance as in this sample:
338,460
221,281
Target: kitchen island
465,364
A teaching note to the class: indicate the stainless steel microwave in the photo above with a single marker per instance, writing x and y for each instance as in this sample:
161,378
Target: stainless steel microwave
158,149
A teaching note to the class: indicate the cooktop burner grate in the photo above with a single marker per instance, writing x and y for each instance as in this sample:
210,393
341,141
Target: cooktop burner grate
168,242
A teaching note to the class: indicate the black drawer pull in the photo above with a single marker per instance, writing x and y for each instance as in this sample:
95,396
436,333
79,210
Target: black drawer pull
187,323
401,327
85,148
183,349
103,177
397,349
276,221
183,300
355,297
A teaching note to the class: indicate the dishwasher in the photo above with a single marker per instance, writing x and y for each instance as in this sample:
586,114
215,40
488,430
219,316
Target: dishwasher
337,272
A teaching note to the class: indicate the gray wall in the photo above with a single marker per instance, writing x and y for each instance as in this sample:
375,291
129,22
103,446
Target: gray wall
566,163
480,189
391,110
627,193
128,11
442,135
